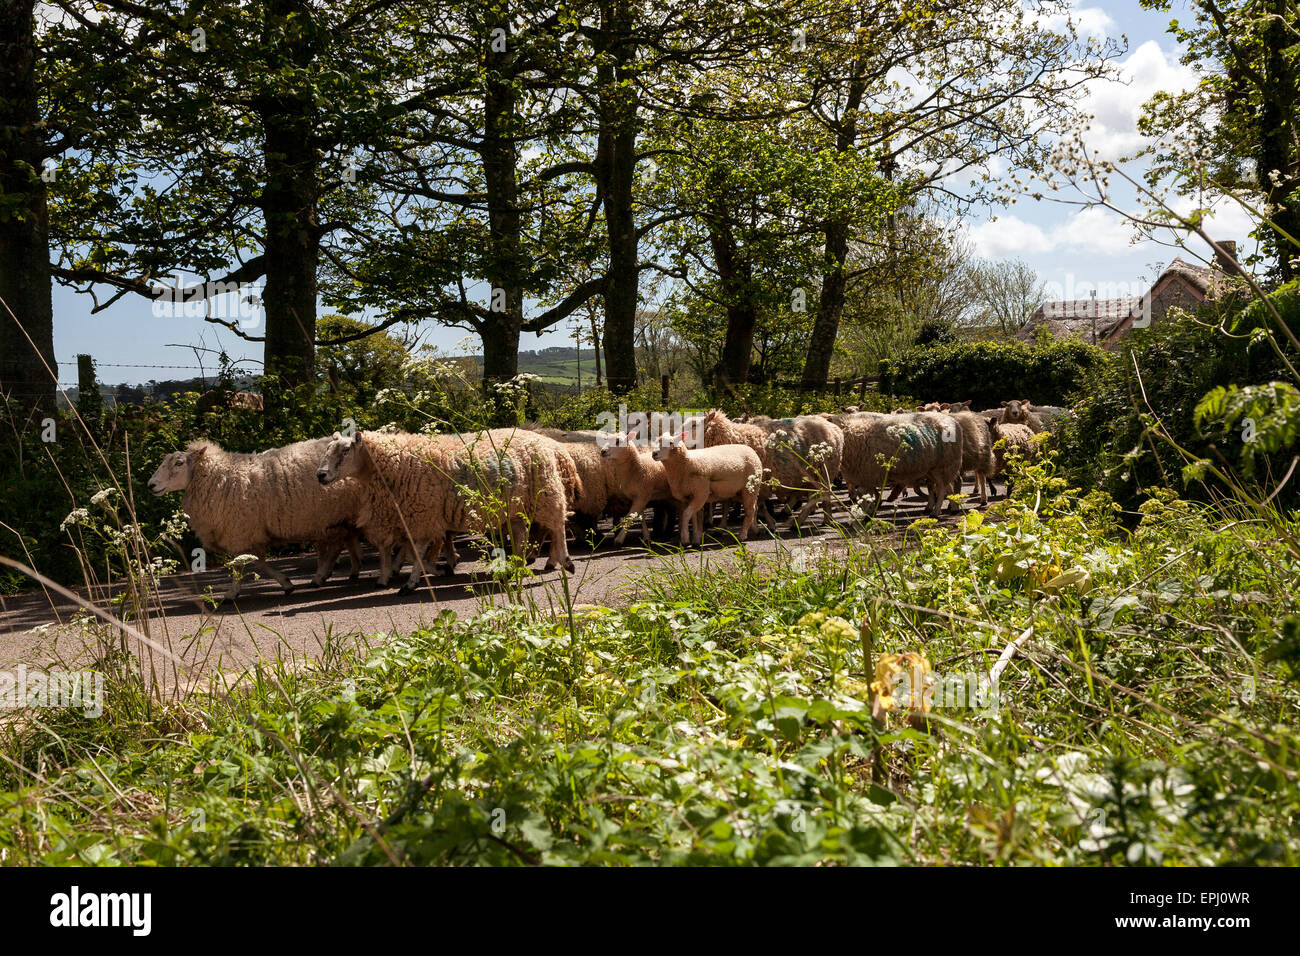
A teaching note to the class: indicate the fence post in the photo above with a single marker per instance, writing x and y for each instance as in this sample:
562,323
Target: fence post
839,387
663,391
89,402
862,390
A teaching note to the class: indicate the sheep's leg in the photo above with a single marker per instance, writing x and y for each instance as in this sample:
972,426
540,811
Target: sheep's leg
327,556
450,553
692,509
261,567
417,567
354,556
750,503
638,507
895,491
386,564
559,550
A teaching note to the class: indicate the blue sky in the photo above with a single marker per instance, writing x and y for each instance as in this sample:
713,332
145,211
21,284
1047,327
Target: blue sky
1073,250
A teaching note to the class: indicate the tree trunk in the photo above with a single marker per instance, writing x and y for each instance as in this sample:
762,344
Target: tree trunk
24,229
506,268
292,244
1277,125
615,175
830,304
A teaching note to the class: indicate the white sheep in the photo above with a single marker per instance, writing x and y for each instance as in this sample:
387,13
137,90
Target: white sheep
632,474
976,446
803,456
705,475
417,488
1019,412
246,503
1009,437
906,448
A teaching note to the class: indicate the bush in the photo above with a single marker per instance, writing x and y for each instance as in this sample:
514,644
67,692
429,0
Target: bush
1161,375
988,373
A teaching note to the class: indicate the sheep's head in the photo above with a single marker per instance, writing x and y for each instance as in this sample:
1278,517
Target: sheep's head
1017,411
175,471
670,447
611,446
959,406
342,458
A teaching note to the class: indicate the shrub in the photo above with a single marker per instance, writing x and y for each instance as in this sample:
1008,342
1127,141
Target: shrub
1160,376
991,372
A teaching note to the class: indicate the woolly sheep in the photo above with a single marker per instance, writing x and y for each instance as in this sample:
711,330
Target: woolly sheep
925,445
417,488
704,475
803,456
633,474
245,503
1018,412
1009,437
976,447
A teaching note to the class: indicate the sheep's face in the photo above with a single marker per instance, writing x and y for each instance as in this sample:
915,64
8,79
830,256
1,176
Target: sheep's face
173,474
612,447
1017,411
668,447
341,460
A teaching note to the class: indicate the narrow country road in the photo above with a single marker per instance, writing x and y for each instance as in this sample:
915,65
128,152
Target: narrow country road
47,630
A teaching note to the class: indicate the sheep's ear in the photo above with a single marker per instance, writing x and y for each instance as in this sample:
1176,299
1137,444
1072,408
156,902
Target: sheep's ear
337,436
1005,404
631,437
711,416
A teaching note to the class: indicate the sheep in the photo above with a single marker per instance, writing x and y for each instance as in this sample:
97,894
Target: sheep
589,436
592,501
977,450
632,473
925,445
1051,416
1017,412
1004,438
786,449
245,503
803,455
717,473
417,488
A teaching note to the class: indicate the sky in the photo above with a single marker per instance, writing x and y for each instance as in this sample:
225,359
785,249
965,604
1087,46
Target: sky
1074,250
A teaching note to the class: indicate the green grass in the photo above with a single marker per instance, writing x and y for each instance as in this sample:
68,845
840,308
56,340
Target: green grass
1146,717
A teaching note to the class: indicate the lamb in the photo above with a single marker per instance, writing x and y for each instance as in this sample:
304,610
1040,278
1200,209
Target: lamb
1018,412
632,473
798,454
1005,438
717,473
245,503
926,445
417,488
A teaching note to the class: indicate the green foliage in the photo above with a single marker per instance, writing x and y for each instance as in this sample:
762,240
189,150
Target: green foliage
1158,379
1264,419
988,373
725,719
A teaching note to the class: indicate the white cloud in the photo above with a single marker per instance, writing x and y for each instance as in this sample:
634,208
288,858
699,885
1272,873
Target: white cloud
1008,236
1117,104
1088,21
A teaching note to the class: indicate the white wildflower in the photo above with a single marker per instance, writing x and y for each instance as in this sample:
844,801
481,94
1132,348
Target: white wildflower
75,517
99,497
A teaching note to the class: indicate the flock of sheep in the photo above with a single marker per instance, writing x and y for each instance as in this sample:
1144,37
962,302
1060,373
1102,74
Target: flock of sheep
408,494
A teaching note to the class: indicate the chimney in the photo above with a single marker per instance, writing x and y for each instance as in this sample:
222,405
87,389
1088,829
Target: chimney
1227,263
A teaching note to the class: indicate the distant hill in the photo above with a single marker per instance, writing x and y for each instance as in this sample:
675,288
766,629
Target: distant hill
558,365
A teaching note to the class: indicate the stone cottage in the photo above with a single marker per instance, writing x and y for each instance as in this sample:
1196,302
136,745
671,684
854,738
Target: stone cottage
1106,321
